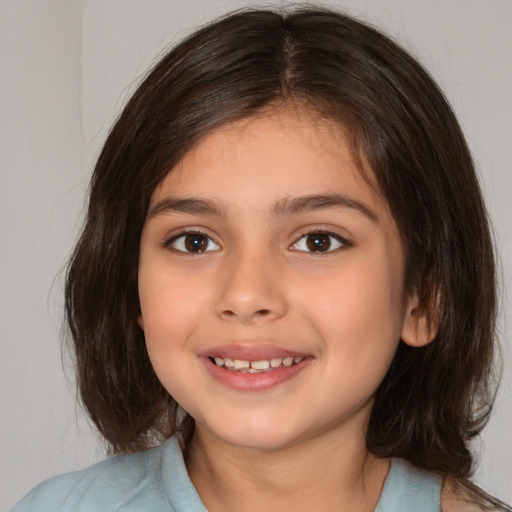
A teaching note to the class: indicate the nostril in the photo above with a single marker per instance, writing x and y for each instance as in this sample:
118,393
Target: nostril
259,312
245,313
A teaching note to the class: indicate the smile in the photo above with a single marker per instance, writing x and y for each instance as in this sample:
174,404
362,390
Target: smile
254,368
260,366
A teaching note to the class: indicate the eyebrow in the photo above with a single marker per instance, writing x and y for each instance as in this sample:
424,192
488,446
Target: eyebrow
192,205
283,207
295,205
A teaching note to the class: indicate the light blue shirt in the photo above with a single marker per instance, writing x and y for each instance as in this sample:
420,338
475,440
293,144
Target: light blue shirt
157,481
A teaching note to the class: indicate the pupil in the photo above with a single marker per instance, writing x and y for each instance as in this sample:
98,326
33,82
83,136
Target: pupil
318,242
195,243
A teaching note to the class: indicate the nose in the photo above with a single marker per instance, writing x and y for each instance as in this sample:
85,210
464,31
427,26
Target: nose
252,290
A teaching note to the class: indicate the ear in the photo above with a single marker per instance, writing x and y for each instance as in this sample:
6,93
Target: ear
419,328
140,321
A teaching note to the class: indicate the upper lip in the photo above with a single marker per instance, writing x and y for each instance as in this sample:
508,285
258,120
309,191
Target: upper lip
250,352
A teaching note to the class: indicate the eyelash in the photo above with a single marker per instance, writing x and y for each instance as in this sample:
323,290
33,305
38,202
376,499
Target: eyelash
342,242
169,243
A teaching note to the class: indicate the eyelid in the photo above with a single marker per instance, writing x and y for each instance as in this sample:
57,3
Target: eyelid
343,241
173,237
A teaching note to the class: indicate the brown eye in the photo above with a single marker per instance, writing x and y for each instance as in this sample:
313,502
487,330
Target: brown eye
193,242
319,242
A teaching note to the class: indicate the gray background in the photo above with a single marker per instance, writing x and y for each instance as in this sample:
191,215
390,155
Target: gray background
67,66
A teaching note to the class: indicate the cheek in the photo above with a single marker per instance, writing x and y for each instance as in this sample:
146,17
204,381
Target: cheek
167,311
356,297
359,314
167,296
168,316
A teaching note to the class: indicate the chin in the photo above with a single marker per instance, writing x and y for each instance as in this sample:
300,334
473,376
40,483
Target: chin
256,435
264,442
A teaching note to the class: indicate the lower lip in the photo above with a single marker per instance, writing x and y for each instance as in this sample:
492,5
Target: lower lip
254,381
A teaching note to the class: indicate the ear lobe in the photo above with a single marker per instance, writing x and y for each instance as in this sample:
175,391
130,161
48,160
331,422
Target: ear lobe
140,321
418,329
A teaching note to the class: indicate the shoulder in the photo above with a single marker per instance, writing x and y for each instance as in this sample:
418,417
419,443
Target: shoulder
460,497
107,485
410,488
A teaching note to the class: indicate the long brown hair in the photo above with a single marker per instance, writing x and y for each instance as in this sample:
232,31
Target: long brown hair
435,399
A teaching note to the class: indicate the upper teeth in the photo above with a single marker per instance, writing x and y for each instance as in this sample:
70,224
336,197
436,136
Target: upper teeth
261,365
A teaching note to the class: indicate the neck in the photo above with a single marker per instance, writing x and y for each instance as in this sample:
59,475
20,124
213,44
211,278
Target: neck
329,472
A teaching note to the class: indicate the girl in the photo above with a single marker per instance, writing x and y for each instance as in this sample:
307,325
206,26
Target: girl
283,296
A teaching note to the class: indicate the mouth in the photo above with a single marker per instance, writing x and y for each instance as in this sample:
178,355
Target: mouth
255,367
259,366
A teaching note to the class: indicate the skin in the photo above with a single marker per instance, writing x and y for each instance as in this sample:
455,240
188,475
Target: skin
257,283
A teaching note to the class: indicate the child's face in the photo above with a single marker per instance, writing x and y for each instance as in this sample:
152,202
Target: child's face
265,243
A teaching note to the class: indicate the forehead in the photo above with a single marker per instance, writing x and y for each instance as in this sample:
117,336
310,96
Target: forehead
279,151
